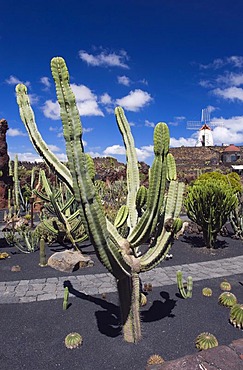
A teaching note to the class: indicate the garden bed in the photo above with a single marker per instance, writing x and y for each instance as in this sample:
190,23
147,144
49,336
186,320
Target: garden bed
33,333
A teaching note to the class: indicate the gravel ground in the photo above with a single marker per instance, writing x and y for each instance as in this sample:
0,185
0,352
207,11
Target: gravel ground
32,335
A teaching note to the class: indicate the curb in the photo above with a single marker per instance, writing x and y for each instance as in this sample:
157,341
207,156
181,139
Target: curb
218,358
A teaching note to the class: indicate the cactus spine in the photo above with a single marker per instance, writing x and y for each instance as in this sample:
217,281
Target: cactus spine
120,256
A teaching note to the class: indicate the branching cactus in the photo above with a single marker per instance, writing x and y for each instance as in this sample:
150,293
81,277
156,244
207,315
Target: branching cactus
122,257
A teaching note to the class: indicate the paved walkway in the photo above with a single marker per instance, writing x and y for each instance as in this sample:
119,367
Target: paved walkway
52,288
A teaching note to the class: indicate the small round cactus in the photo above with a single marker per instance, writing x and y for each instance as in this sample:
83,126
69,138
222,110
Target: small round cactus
227,299
236,315
225,285
155,360
206,341
143,300
207,292
73,340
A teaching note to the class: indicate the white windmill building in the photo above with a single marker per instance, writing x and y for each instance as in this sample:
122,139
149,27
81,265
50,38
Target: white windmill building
204,127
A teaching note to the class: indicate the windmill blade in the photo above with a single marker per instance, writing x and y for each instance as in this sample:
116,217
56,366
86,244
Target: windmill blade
193,125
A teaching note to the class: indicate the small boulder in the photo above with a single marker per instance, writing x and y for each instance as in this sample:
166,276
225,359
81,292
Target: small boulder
69,261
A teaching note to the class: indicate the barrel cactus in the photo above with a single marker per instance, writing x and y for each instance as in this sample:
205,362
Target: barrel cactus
207,292
155,360
157,222
236,315
225,285
205,341
227,299
73,340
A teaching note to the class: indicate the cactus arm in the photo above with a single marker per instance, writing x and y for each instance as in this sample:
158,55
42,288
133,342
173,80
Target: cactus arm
16,184
28,118
156,190
84,190
132,166
143,228
121,216
171,167
156,253
174,199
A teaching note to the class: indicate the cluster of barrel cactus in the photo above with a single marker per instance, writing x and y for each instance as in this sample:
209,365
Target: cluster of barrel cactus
156,221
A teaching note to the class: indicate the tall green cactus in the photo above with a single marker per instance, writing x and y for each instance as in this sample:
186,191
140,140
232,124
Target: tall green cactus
122,257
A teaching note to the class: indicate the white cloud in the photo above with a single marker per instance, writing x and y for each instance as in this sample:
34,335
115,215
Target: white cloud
223,135
114,149
149,124
46,82
182,141
230,131
145,152
143,81
94,154
26,157
62,157
105,58
15,132
105,99
234,60
86,103
230,93
53,148
33,98
123,80
142,153
13,80
135,100
230,79
51,110
206,83
237,61
55,129
88,129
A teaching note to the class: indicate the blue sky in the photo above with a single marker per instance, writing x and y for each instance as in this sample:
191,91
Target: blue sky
160,60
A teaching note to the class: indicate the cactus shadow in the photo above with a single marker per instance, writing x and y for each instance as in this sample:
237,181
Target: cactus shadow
159,309
197,241
109,320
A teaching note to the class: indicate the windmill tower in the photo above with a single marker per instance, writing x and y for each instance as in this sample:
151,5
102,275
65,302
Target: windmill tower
204,127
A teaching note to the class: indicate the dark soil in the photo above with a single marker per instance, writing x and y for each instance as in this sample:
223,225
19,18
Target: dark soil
188,249
32,334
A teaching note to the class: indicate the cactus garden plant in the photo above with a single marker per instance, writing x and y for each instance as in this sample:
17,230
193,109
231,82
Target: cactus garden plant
209,204
227,299
155,360
207,292
236,315
185,291
73,340
65,298
205,341
225,285
121,256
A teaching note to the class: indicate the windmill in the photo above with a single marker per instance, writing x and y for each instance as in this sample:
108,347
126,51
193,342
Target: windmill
205,137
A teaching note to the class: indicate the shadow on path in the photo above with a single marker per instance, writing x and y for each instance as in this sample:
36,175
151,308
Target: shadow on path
109,320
